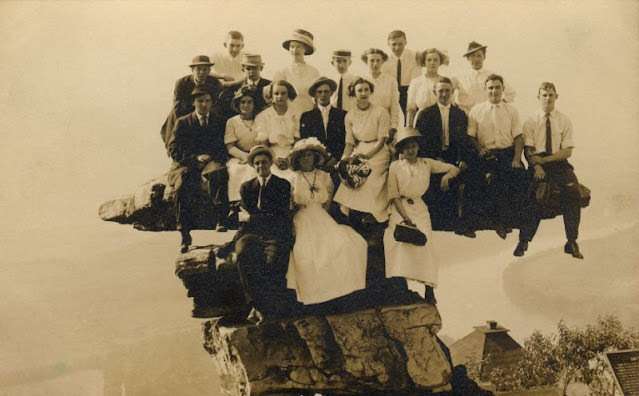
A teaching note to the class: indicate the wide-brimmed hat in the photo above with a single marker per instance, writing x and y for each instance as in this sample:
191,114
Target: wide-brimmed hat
342,54
312,144
319,81
252,60
302,36
407,135
244,90
444,59
374,51
257,150
474,46
353,172
201,60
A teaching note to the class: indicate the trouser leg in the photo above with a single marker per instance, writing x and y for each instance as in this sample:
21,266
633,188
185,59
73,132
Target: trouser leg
572,210
217,188
187,185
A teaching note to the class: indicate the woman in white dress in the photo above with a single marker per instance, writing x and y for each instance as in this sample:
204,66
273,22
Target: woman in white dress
421,93
299,73
240,136
328,260
386,91
278,126
408,181
367,126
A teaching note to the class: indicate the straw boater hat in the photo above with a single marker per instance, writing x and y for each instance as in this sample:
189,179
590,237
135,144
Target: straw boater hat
245,90
346,54
257,150
444,59
474,46
201,60
311,143
302,36
407,135
319,81
252,60
374,51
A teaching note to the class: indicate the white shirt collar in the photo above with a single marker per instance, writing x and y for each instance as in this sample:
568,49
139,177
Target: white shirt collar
200,116
253,82
441,106
324,108
259,179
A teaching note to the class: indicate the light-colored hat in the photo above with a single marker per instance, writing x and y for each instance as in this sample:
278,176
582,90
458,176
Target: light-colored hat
311,143
302,36
201,60
319,81
342,54
374,51
474,46
257,150
407,135
252,60
444,59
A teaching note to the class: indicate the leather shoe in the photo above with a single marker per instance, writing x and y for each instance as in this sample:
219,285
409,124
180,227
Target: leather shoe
501,231
572,248
221,228
186,242
468,233
521,248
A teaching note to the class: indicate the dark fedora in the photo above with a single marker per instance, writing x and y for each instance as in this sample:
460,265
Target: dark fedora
199,91
474,46
201,60
320,81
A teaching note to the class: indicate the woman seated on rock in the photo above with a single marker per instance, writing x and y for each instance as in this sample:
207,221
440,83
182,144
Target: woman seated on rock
367,126
408,181
328,260
240,136
278,126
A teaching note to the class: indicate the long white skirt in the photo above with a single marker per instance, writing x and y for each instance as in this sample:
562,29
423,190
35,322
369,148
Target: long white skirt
328,260
371,197
238,174
417,263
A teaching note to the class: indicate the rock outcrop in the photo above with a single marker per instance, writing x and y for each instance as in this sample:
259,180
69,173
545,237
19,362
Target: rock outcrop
388,350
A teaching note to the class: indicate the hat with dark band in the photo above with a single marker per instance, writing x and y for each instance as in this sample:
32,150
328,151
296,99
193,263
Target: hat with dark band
342,54
320,81
302,36
474,46
257,150
201,60
252,60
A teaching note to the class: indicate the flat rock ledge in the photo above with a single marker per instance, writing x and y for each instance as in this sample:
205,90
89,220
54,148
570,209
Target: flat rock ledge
390,350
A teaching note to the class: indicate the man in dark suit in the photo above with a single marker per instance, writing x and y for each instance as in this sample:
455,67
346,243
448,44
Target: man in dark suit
252,66
444,137
263,243
182,101
198,152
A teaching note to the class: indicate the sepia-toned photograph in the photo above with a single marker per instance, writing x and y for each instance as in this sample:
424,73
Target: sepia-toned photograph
319,198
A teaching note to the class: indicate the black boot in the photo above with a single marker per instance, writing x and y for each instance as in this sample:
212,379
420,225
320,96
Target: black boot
186,241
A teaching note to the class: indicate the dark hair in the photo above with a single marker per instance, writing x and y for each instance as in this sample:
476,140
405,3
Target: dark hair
396,34
400,146
374,51
295,165
546,86
359,80
495,77
233,35
245,90
443,58
292,94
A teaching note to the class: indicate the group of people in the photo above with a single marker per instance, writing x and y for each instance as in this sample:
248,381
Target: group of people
291,152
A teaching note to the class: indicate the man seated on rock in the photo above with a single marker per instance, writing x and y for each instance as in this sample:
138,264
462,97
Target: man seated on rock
198,152
548,145
443,127
263,243
497,136
182,101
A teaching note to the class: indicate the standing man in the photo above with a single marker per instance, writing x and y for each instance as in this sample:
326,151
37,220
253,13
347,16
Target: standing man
340,99
548,145
496,133
402,65
473,79
182,100
325,122
252,67
264,242
444,137
198,152
228,65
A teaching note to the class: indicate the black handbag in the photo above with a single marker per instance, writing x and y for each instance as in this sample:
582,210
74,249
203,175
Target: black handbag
407,234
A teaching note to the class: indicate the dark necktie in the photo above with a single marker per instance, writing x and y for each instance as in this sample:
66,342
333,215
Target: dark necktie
339,94
259,194
548,135
399,73
205,120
